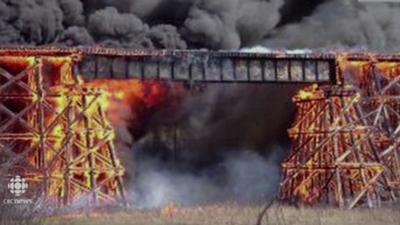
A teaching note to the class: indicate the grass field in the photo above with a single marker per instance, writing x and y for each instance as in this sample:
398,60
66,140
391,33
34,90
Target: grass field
233,214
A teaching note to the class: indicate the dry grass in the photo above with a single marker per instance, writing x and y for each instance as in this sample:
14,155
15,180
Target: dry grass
19,214
233,214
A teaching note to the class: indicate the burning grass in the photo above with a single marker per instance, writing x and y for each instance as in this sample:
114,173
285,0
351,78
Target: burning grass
235,214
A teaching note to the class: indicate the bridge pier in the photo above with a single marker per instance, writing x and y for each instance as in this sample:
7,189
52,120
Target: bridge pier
54,133
345,139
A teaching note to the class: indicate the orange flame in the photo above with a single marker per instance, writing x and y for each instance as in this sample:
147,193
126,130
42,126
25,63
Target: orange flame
129,98
308,93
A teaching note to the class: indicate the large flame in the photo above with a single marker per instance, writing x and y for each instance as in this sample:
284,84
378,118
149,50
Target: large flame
56,125
134,101
308,93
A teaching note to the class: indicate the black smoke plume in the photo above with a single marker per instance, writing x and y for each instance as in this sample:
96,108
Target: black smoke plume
214,24
223,142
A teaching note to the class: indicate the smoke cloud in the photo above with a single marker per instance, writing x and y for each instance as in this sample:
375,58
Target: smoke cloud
245,176
214,24
47,22
223,143
229,23
30,22
343,24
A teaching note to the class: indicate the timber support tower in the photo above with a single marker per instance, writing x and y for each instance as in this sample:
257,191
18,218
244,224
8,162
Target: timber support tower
345,137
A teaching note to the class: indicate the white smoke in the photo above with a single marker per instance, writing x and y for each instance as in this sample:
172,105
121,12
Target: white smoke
263,49
242,176
225,156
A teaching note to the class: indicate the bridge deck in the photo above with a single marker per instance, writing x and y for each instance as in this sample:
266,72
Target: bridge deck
199,65
206,66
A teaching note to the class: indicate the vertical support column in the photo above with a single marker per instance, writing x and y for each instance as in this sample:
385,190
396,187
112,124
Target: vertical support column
40,118
397,168
68,153
89,145
359,150
339,191
116,164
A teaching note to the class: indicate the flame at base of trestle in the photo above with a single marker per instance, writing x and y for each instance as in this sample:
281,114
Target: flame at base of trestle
55,133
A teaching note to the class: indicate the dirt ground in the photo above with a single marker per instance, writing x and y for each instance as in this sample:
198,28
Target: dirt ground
233,214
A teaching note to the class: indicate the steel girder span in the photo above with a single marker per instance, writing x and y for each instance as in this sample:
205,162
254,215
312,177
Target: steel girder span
192,65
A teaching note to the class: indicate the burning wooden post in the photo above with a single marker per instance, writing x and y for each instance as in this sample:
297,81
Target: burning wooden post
55,131
345,138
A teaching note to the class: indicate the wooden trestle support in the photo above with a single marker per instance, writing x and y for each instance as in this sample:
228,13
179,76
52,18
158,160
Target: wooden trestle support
345,139
54,133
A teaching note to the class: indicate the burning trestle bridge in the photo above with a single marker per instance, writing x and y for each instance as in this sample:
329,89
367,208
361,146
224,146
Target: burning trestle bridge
345,138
